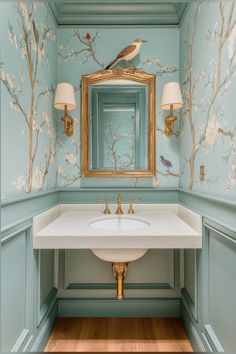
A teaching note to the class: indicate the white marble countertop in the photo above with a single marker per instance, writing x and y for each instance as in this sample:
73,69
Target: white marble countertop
67,227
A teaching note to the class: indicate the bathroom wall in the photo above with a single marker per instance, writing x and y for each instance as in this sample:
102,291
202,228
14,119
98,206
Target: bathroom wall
85,50
208,76
208,137
28,168
85,284
27,79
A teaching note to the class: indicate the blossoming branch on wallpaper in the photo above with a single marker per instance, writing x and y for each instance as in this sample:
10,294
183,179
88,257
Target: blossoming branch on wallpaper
30,39
205,116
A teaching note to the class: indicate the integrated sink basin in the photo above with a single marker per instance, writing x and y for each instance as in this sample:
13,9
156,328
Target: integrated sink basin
118,223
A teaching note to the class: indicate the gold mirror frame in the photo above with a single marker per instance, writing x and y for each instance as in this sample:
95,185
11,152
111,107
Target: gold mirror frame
118,74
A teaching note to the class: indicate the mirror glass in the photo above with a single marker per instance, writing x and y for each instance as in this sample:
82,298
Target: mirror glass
117,129
119,126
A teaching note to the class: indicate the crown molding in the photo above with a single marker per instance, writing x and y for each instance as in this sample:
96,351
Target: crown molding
122,13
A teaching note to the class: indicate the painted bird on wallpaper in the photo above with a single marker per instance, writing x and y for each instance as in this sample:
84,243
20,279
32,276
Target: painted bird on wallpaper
166,163
128,53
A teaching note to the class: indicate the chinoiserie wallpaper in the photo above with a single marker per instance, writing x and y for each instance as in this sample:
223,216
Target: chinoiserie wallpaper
85,50
28,79
37,156
208,119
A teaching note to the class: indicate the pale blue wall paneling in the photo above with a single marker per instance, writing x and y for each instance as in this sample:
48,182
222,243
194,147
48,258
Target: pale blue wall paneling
14,289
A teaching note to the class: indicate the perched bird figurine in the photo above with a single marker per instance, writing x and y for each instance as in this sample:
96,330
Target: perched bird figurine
166,163
128,53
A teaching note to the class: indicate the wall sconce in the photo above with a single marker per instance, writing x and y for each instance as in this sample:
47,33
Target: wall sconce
171,100
65,100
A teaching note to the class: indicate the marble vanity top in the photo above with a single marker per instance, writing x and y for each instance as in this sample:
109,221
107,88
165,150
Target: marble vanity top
167,226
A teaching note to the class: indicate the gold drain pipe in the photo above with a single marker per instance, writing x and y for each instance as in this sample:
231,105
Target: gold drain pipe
120,271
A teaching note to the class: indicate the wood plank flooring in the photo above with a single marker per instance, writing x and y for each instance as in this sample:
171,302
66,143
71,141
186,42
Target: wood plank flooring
118,335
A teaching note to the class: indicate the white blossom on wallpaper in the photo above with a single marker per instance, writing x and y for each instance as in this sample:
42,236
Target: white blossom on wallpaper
158,67
72,173
205,115
30,38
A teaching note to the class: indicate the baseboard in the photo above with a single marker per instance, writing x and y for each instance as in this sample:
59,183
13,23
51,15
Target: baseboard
194,337
46,330
115,308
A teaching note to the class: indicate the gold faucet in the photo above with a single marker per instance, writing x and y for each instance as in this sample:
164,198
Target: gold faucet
119,210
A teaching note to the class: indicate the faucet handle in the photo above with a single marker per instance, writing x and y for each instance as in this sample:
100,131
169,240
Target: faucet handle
106,209
131,209
119,210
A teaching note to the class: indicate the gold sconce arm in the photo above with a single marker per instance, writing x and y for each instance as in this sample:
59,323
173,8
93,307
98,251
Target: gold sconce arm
169,122
68,123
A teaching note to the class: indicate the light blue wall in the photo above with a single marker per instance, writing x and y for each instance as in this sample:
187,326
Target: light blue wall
208,127
217,148
208,76
160,55
28,77
27,295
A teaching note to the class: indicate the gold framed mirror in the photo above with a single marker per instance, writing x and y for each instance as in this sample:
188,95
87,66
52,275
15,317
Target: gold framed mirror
118,123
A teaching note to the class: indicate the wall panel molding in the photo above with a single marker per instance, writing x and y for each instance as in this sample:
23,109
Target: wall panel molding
45,330
219,210
15,272
48,302
194,336
16,212
21,340
104,285
191,304
188,303
143,307
90,195
219,302
212,339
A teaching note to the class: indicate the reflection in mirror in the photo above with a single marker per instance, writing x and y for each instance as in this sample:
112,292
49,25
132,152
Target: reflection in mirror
119,135
118,124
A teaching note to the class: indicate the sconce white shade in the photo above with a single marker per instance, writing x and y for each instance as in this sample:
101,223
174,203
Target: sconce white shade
171,96
65,96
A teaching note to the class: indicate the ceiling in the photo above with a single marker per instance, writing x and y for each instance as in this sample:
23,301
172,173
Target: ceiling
117,12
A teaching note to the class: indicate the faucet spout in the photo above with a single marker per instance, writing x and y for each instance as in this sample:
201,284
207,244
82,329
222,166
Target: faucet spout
119,210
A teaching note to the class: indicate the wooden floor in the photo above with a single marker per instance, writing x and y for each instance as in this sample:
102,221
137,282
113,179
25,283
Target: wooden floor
118,334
